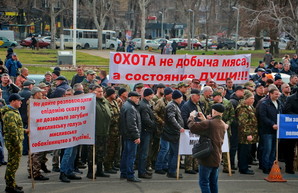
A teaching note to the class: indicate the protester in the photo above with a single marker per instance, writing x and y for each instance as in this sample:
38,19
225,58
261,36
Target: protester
7,87
102,125
22,77
173,127
112,157
148,126
26,94
268,111
69,156
161,164
39,159
214,129
130,127
247,131
78,77
13,64
14,135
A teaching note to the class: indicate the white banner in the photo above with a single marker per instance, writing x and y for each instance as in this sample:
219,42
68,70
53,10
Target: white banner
62,122
188,139
130,68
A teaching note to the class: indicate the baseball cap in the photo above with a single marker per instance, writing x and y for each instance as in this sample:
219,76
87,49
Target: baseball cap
36,90
133,93
28,82
15,96
90,72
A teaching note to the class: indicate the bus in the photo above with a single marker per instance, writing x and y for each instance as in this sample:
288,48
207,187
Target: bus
88,38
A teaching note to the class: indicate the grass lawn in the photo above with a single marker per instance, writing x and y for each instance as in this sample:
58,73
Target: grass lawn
256,55
48,58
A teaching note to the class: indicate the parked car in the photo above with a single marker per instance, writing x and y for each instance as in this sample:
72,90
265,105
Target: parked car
148,43
4,43
27,43
285,77
266,42
176,39
135,40
210,43
68,43
160,40
195,42
47,39
242,42
37,78
225,44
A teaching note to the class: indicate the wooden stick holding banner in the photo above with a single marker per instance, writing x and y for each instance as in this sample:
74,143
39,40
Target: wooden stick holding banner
93,166
178,166
30,154
229,163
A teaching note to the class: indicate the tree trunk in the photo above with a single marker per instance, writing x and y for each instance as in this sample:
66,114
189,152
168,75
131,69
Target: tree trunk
53,26
143,24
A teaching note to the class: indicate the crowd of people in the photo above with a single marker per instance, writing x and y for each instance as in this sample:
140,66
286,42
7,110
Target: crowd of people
139,128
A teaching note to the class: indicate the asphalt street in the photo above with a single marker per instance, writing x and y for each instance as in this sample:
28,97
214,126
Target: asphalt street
158,184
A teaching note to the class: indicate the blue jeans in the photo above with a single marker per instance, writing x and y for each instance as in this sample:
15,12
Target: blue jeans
269,150
162,157
68,159
128,159
173,157
143,151
208,177
1,147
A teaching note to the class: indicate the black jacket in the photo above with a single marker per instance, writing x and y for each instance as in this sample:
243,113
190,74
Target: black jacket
268,116
174,123
147,116
26,94
291,106
130,121
186,109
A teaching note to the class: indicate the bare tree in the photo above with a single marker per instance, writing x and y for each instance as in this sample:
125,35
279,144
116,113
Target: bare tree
143,4
100,11
276,16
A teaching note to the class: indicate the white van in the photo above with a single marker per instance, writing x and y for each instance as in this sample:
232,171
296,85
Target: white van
9,34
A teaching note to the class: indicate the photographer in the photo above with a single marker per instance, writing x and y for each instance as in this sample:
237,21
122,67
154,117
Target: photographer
214,129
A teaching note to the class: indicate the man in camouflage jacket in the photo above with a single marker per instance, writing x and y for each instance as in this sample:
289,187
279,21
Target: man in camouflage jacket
14,136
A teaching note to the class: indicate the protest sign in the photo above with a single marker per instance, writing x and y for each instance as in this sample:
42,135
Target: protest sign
188,139
62,122
287,126
130,68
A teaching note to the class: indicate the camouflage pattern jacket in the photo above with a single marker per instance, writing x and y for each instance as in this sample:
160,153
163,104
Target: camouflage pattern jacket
159,111
248,124
115,110
12,125
205,105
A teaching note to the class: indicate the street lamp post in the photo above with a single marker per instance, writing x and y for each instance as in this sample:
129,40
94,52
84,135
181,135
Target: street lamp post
192,29
162,34
237,29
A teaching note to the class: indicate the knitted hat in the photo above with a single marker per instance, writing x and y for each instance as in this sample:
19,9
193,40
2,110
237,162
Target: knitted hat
168,91
218,107
176,94
121,91
56,72
110,91
147,92
160,85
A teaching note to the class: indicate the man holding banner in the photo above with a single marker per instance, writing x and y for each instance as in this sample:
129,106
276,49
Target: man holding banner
291,107
174,125
269,109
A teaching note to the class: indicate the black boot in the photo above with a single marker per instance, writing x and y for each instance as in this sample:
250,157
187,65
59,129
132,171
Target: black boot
90,172
44,168
99,171
63,178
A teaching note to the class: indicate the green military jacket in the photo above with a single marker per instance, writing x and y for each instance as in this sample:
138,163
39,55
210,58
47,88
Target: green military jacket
86,84
247,122
103,117
12,126
205,105
115,110
159,111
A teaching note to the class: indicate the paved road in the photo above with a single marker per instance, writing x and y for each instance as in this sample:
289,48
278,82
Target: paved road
159,183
